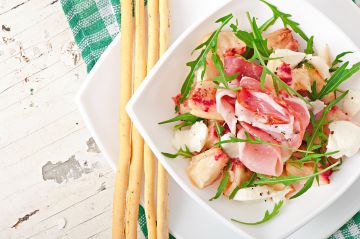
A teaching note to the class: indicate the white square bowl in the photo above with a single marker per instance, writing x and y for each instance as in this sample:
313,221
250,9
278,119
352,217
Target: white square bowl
152,103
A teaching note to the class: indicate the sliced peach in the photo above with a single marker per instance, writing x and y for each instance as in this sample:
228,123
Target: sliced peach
202,101
238,175
206,167
282,39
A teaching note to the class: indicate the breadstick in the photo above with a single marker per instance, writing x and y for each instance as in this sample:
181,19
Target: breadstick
136,167
162,192
122,171
149,160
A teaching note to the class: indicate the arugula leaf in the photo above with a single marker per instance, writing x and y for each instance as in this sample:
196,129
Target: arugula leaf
338,60
222,185
268,215
311,157
200,61
185,117
219,130
249,183
285,18
181,152
309,46
313,95
305,188
188,119
339,76
258,39
316,170
234,192
261,52
255,37
287,180
268,23
245,36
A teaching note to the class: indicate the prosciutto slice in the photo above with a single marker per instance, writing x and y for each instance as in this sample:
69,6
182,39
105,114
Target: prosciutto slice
236,64
276,119
285,119
260,158
225,105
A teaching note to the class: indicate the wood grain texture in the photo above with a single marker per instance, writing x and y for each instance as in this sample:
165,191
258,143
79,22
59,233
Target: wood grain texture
39,123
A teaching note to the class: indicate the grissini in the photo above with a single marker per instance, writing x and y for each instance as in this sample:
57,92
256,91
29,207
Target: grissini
162,185
149,159
137,159
122,170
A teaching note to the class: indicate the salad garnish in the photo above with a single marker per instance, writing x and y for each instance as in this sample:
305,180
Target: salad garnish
338,60
267,216
200,61
224,181
181,152
262,117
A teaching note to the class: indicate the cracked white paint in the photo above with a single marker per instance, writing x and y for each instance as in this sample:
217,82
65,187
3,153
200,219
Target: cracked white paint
64,171
92,146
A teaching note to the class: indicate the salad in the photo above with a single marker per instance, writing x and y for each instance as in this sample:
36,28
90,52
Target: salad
261,117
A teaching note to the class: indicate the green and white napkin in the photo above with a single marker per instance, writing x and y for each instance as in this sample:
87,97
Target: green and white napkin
95,23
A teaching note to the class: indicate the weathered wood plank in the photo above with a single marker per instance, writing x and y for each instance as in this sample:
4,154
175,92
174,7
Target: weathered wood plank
53,177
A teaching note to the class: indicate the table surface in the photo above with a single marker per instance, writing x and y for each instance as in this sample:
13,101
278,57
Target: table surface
54,182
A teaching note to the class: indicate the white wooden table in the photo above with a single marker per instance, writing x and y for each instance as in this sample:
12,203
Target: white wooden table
54,182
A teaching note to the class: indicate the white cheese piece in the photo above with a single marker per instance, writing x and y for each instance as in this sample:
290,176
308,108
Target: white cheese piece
320,65
231,149
344,137
324,53
193,137
260,193
292,58
351,102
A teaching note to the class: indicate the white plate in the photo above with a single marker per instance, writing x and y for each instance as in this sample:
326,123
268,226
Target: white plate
97,103
152,103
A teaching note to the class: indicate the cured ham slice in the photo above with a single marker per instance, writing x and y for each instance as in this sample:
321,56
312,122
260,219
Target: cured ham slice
225,105
260,158
264,106
235,64
285,119
278,120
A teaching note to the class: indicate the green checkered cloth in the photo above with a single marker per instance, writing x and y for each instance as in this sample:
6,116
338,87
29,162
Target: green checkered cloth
95,23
